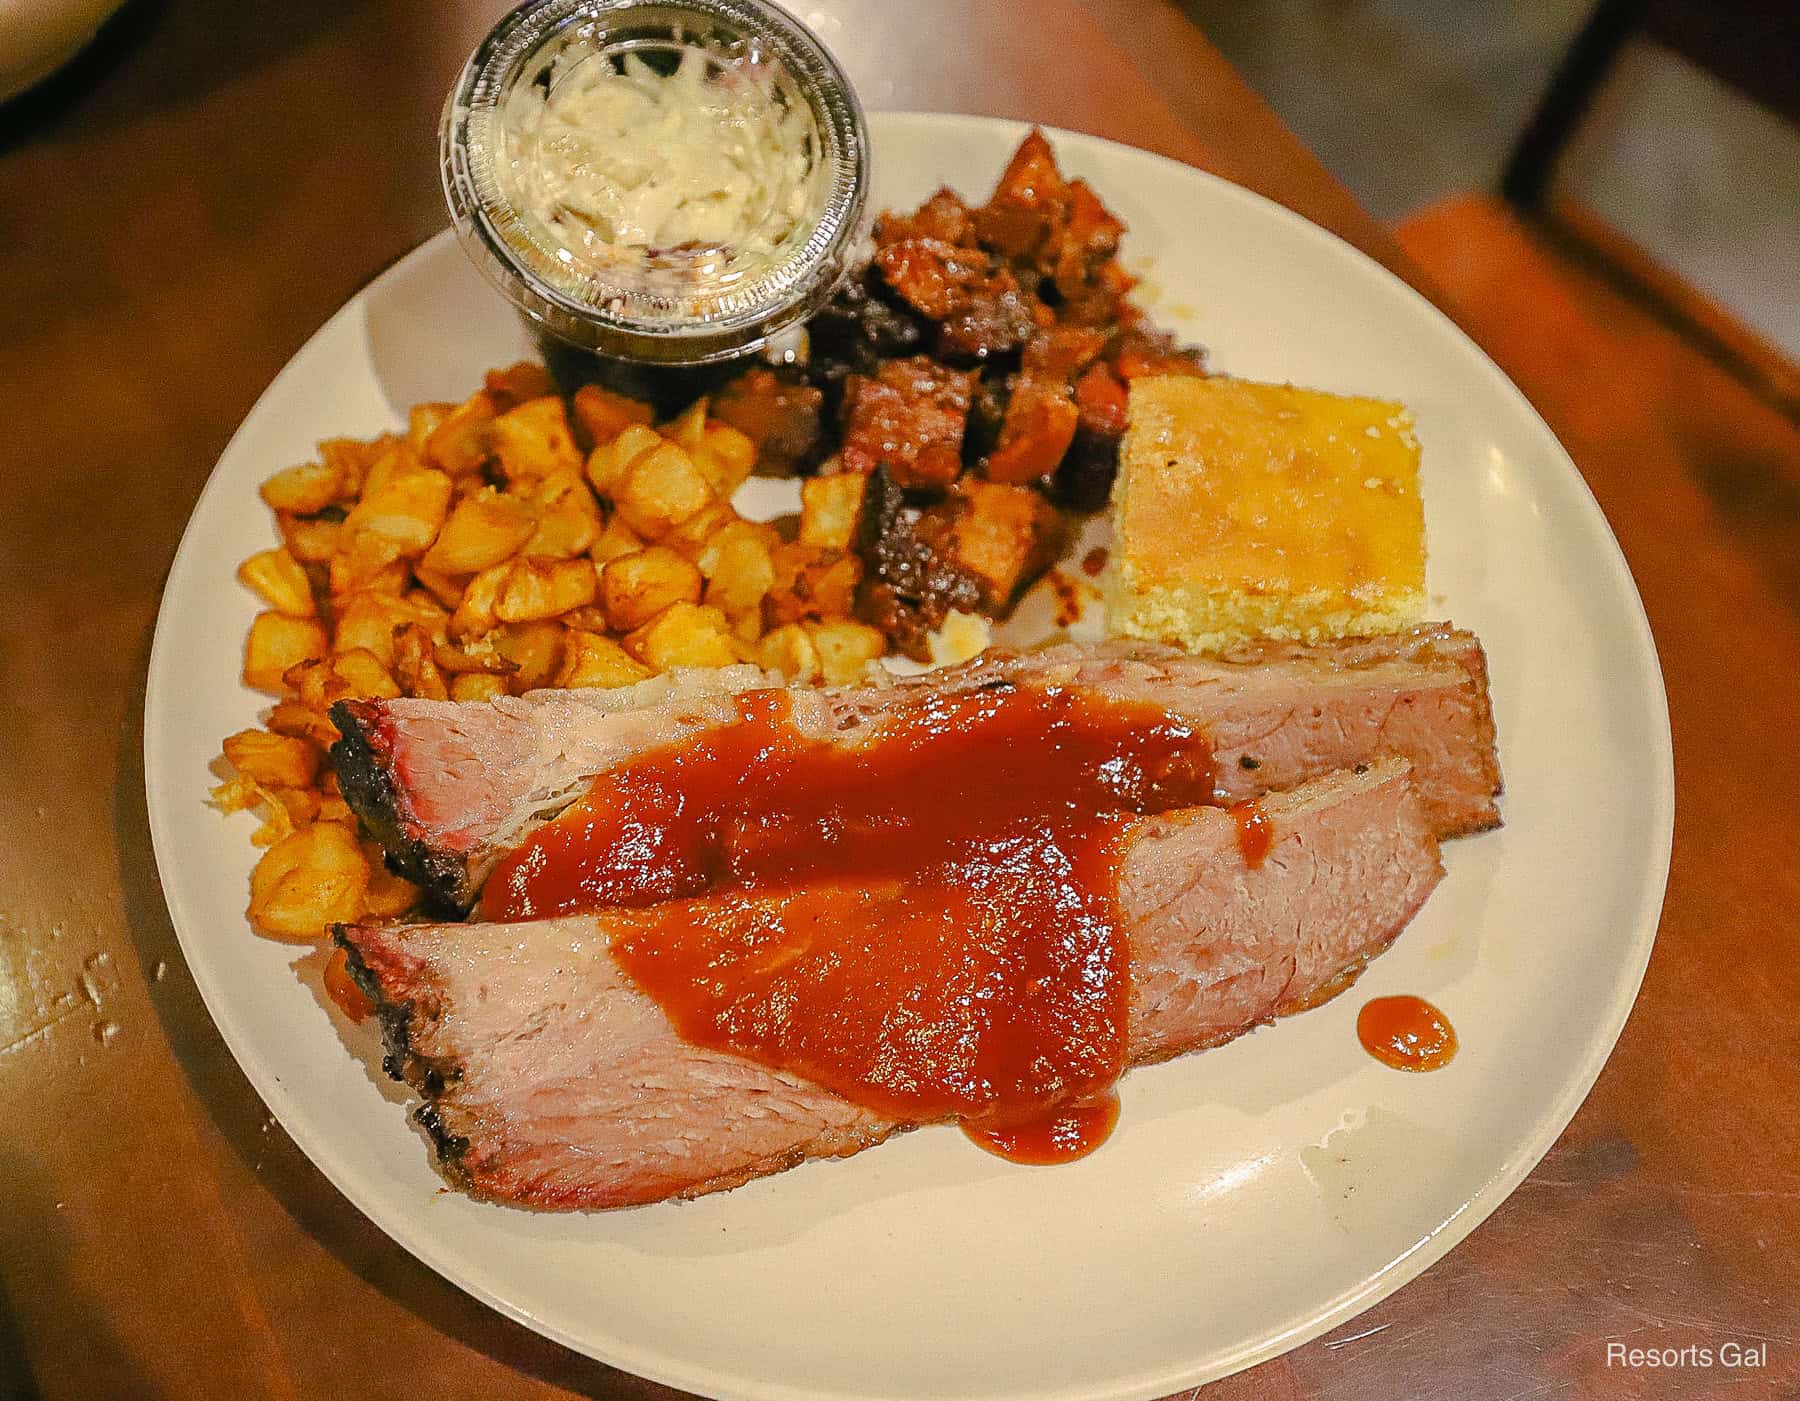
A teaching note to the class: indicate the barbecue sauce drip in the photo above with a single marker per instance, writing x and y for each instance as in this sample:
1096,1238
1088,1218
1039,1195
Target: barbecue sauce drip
1407,1033
1254,833
924,922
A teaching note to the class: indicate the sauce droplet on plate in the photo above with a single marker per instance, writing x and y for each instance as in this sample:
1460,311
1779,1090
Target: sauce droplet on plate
1407,1033
1061,1136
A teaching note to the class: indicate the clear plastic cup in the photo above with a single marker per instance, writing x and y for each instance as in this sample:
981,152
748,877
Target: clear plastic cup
566,219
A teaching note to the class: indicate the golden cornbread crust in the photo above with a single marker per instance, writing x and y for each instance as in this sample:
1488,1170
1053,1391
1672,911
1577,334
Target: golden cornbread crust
1246,510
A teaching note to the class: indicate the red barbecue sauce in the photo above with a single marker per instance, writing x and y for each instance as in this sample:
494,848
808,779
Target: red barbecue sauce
924,924
1407,1033
1254,833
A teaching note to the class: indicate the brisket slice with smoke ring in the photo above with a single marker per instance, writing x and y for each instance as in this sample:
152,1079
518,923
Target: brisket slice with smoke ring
550,1080
448,789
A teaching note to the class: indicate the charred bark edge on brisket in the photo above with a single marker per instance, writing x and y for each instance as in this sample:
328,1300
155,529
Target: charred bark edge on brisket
398,1059
363,761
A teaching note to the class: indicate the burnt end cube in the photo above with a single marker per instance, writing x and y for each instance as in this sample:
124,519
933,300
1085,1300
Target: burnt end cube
1004,537
908,417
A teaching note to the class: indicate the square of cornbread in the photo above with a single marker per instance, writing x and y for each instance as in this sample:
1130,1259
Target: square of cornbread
1246,510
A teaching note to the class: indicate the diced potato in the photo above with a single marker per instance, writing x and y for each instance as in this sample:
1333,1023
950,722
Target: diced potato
458,445
447,589
516,383
726,456
278,761
483,530
634,588
388,895
830,508
335,809
368,565
608,463
810,584
303,490
281,582
589,619
603,415
534,440
535,650
406,511
477,656
660,490
276,643
395,460
537,589
747,628
369,621
474,686
351,459
415,664
615,540
789,649
691,536
568,518
845,649
311,539
683,634
360,675
302,721
300,804
590,659
739,566
475,614
422,420
309,881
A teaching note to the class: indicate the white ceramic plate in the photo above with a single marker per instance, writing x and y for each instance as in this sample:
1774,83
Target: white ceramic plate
1254,1195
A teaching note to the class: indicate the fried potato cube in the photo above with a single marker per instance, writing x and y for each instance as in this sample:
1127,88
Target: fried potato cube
415,665
789,649
616,539
301,721
634,588
518,382
536,589
388,895
608,463
352,459
660,490
483,530
739,565
368,564
691,536
535,650
830,508
309,881
277,761
683,634
311,539
845,648
393,461
477,655
447,589
280,581
359,674
725,455
475,686
406,511
476,614
688,428
303,490
568,518
592,660
534,440
603,415
422,420
276,643
368,622
300,804
810,584
458,445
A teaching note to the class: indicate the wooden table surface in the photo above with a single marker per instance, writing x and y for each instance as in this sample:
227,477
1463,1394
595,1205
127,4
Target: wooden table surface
174,222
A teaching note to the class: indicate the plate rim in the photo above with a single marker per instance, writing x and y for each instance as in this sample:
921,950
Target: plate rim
619,1351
